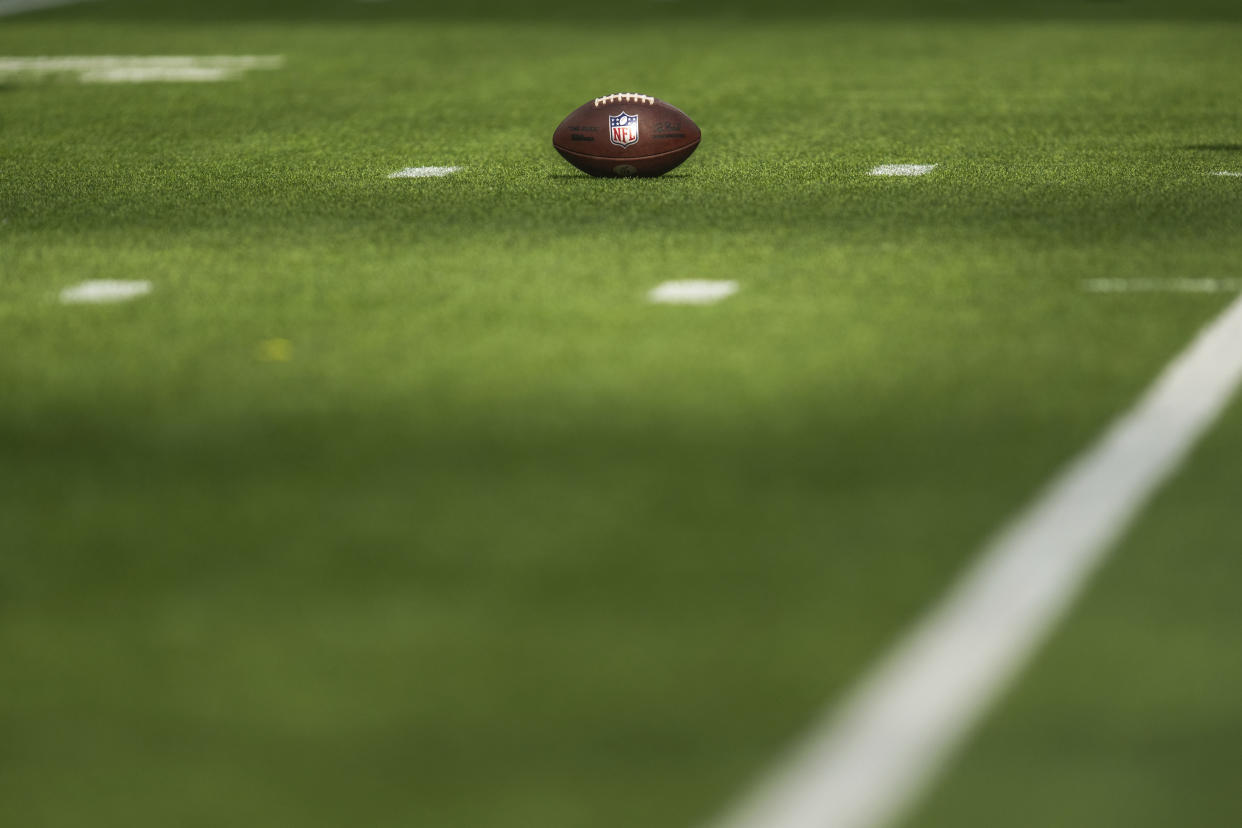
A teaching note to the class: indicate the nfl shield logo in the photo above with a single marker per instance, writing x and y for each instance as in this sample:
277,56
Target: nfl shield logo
623,129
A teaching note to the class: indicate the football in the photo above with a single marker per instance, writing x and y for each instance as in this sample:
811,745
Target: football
626,134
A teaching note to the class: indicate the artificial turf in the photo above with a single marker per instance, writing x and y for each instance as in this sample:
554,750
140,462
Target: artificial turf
491,541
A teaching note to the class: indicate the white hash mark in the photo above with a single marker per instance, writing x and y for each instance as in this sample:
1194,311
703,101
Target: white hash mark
140,68
1162,285
1228,173
692,292
425,172
864,763
902,169
104,290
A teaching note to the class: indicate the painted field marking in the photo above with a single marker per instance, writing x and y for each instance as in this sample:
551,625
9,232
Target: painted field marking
141,68
864,763
11,7
98,291
1228,173
1162,285
425,172
692,292
159,74
902,169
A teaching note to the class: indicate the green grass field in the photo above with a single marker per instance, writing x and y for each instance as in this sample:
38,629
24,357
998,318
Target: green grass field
396,503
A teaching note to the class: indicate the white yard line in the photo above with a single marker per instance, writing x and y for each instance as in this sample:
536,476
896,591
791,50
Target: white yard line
11,7
1228,174
692,292
425,172
902,169
864,764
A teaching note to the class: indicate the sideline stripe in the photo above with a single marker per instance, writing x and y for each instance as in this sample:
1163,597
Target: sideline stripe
863,764
10,7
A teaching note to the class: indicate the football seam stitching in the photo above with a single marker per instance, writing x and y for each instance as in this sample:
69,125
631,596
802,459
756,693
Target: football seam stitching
624,97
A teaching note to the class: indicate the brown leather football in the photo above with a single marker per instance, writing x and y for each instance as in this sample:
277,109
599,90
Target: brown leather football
626,134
